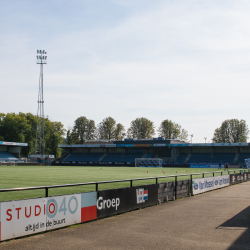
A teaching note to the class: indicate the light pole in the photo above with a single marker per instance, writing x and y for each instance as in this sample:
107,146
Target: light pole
40,144
191,137
205,139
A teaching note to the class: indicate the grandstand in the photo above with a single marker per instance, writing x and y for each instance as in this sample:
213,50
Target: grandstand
10,152
7,157
172,152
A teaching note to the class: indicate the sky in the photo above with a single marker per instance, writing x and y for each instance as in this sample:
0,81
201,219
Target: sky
186,60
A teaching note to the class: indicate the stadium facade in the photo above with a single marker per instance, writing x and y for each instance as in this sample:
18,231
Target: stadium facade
171,151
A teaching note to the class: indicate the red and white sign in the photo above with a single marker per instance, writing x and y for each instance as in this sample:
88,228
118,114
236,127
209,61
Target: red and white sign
24,217
19,218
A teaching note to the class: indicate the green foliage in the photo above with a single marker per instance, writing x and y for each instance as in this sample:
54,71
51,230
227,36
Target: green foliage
231,131
2,115
171,130
106,128
22,128
54,133
119,132
84,129
69,137
141,128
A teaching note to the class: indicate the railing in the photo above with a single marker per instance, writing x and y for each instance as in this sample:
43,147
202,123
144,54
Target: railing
115,181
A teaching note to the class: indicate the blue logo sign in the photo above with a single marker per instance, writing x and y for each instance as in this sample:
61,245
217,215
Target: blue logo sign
196,186
216,182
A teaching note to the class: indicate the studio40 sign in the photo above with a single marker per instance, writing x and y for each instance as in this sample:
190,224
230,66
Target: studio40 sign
19,218
63,211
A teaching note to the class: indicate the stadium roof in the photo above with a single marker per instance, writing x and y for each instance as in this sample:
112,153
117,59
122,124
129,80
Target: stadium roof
20,144
147,143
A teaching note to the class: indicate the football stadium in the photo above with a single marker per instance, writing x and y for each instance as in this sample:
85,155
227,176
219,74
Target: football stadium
104,186
102,178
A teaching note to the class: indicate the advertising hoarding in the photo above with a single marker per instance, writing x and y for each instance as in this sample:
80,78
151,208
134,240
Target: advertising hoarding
24,217
209,183
120,200
205,166
13,143
19,218
63,211
88,206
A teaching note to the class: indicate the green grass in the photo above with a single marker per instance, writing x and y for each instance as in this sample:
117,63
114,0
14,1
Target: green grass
32,176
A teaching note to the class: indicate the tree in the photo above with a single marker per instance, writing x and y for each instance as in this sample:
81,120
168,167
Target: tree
183,135
231,131
69,139
106,128
83,129
54,132
171,130
119,132
29,133
141,128
13,126
19,128
2,116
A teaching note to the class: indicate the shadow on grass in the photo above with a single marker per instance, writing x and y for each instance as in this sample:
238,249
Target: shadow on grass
240,221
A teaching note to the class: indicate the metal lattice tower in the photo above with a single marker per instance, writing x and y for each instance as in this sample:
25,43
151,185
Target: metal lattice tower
40,143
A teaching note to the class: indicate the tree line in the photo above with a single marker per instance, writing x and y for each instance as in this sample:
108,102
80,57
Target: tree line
21,127
230,131
108,129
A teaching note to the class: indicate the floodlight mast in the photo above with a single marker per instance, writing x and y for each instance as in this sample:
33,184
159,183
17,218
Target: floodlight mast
40,143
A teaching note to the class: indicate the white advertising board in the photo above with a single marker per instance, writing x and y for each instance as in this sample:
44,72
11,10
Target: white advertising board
24,217
63,210
209,183
19,218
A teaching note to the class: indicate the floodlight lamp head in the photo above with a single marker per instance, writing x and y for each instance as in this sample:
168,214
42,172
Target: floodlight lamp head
41,57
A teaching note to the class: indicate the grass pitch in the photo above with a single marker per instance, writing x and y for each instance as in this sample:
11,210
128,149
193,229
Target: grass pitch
32,176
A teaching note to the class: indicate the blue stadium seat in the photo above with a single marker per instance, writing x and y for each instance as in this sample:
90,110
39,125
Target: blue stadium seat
5,156
83,157
242,157
207,158
181,158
